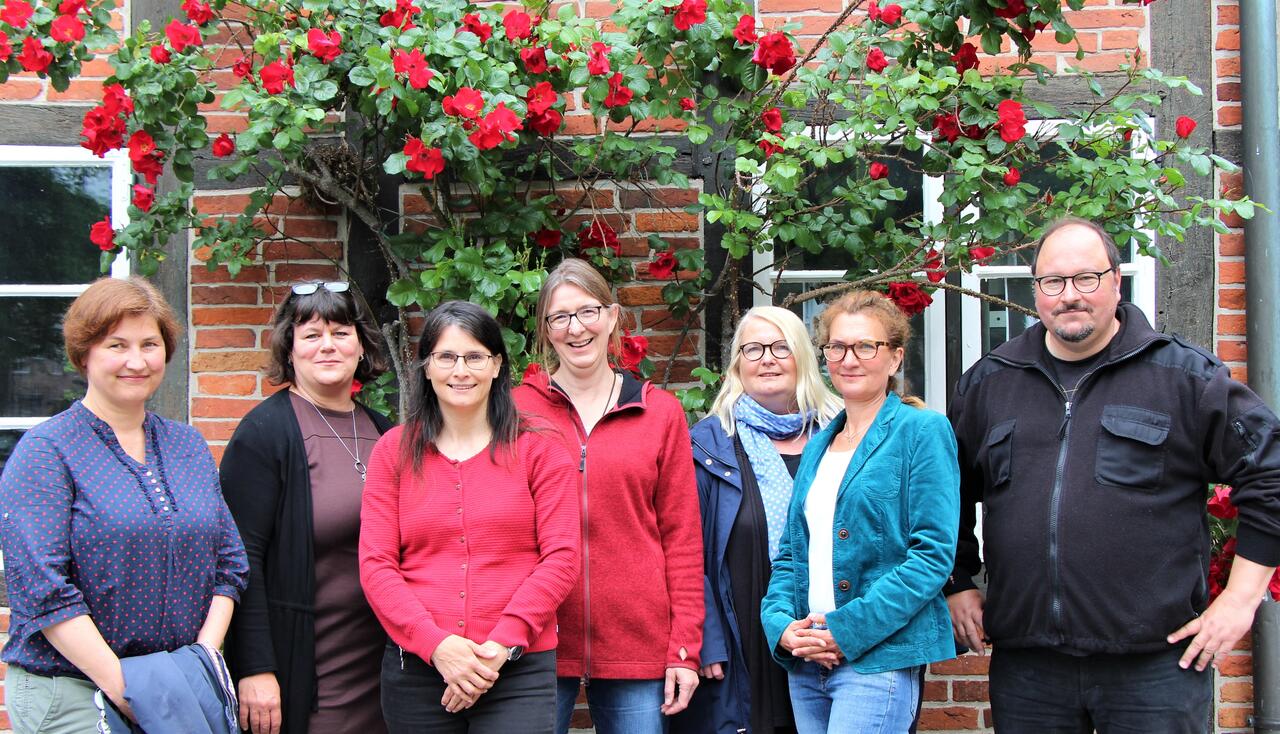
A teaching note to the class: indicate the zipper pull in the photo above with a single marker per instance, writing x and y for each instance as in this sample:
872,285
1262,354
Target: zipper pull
1066,418
582,464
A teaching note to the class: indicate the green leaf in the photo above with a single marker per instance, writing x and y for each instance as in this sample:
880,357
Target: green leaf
324,90
361,76
402,293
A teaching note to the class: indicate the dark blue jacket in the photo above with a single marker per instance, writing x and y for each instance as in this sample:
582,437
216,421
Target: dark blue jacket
724,707
187,690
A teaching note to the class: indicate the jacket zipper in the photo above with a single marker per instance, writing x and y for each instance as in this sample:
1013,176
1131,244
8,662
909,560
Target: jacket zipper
581,434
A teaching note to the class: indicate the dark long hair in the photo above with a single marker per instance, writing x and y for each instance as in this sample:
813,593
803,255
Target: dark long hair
425,420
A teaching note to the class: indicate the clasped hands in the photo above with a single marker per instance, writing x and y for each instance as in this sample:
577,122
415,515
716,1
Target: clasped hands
813,643
469,669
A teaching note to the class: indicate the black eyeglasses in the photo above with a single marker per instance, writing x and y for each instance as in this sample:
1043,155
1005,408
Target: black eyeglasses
585,315
1086,282
865,349
306,289
449,360
754,351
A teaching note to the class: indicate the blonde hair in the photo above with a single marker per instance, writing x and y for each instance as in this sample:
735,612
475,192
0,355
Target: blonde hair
883,310
812,394
580,274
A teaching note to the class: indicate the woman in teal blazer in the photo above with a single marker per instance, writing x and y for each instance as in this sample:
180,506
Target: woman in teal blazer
855,606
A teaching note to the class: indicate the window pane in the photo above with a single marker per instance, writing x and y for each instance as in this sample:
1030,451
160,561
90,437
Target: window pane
35,379
8,439
47,213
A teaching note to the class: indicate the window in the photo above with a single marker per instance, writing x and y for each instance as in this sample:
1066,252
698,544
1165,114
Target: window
49,198
955,330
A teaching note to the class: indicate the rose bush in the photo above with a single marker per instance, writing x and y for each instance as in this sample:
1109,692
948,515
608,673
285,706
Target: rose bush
334,91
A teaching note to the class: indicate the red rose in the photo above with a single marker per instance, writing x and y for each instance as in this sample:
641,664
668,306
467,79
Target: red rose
197,12
876,60
1220,505
877,170
466,103
147,160
1012,177
769,147
548,239
424,160
1184,126
401,17
966,58
775,53
495,128
745,31
103,131
1011,9
223,146
599,236
5,49
66,29
909,297
324,46
143,197
242,68
102,235
933,269
34,57
946,126
619,94
598,59
181,35
540,98
160,54
517,25
689,14
276,76
873,10
471,23
16,13
116,100
891,14
663,266
414,64
546,122
634,349
978,254
687,104
772,119
70,7
535,59
1012,123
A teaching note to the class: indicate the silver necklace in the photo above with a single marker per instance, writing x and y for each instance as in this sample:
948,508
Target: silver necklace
360,468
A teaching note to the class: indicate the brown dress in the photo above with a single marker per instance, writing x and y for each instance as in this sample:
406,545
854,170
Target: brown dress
349,639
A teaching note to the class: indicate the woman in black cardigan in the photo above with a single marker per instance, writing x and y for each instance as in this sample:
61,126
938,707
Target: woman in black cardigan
304,647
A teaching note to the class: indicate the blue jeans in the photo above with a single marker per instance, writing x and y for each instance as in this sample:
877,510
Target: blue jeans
1046,692
617,706
843,700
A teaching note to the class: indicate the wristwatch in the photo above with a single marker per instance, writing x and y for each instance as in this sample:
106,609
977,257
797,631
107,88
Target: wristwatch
514,652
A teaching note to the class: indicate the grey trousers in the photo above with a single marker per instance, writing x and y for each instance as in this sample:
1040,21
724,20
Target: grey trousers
49,705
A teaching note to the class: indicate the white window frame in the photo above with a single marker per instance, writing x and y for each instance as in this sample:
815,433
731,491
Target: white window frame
30,156
1141,273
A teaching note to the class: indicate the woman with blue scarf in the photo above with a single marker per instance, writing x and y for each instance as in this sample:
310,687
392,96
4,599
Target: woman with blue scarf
746,452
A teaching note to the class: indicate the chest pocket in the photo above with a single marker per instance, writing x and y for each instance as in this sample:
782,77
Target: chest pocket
999,447
1131,447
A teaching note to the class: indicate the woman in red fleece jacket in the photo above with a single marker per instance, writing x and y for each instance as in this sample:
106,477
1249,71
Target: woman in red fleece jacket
469,541
632,627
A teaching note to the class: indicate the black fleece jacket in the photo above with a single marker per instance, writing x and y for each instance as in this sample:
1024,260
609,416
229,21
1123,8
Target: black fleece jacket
1096,537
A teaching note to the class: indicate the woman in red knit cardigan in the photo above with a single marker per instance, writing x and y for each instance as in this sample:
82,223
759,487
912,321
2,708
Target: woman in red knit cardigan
469,542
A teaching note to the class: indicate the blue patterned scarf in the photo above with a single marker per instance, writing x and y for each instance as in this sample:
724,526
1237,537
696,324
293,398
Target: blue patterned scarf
756,425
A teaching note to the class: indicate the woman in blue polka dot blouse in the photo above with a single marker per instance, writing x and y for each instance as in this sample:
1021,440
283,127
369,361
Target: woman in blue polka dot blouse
117,541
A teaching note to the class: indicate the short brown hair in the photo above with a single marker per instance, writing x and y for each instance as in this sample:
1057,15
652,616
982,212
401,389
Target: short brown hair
1108,244
578,273
336,308
104,304
882,309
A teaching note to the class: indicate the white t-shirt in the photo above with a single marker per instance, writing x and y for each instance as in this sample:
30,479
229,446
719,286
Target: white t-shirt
819,515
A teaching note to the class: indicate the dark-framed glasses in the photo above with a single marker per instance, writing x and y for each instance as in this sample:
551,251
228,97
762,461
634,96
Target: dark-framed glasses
754,351
865,349
1086,282
335,286
585,315
449,360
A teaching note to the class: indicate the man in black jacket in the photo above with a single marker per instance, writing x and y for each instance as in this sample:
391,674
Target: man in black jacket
1090,440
